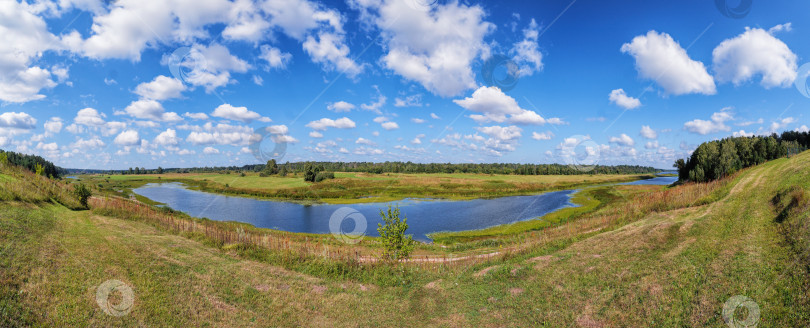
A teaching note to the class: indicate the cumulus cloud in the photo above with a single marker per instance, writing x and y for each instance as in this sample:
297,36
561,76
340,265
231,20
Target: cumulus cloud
128,138
25,37
242,114
17,121
527,53
167,138
324,123
496,106
210,151
196,116
648,132
274,57
501,132
389,125
755,52
621,99
623,140
340,106
661,59
53,125
715,124
548,135
434,48
161,88
148,109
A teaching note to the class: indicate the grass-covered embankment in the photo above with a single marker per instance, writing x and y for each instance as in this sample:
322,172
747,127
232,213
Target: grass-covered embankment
651,257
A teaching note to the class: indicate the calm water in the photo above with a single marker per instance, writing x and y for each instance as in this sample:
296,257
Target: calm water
424,216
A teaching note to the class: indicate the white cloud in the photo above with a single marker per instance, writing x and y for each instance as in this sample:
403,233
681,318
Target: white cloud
390,125
496,106
527,53
89,117
802,128
755,52
161,88
151,110
196,116
648,132
315,134
651,145
237,114
364,141
53,125
435,48
274,57
500,132
24,36
167,138
17,121
91,143
661,59
210,151
623,139
417,120
409,101
776,126
277,129
434,116
128,138
548,135
621,99
340,106
324,123
375,106
330,50
716,124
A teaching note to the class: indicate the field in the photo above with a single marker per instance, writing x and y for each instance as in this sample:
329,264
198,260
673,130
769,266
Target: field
645,256
360,187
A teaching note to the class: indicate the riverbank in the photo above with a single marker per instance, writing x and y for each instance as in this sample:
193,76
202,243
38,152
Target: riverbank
672,256
356,188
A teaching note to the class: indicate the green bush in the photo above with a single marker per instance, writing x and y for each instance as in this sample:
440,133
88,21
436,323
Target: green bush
323,176
83,193
396,244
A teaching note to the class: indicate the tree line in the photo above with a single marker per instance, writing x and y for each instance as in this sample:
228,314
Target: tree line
33,163
406,167
716,159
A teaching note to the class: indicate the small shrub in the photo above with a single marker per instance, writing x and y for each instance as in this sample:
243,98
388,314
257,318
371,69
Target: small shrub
396,245
82,193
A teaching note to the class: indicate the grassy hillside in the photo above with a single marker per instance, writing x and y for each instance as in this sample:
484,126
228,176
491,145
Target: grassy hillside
650,257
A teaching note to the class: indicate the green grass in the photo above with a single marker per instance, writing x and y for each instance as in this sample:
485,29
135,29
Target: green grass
588,200
349,188
644,256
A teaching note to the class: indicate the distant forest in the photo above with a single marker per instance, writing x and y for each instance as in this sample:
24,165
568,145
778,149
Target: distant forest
409,167
30,162
717,159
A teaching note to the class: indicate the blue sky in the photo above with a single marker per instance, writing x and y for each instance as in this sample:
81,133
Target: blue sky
116,84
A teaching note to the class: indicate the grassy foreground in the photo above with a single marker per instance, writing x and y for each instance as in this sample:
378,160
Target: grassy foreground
650,257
